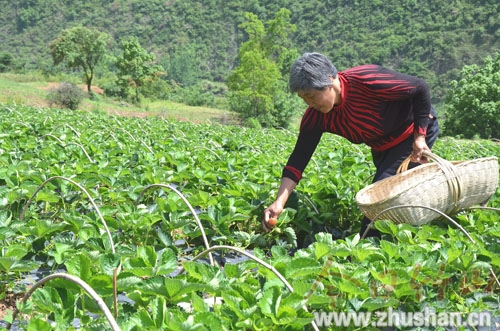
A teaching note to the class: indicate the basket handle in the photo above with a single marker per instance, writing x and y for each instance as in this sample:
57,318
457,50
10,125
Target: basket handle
431,156
450,172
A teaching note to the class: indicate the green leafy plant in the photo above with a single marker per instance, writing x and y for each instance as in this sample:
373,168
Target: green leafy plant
66,95
472,104
162,220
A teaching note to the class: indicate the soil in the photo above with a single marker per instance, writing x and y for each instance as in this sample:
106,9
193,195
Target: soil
9,304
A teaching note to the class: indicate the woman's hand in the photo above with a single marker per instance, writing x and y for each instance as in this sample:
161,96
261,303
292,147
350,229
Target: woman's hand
419,147
276,208
273,211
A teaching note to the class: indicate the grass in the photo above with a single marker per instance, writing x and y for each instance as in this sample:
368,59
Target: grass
31,90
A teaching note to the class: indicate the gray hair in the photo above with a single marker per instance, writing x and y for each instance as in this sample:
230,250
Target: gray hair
311,71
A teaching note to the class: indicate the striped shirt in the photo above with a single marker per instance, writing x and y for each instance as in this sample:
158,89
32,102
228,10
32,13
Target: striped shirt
379,107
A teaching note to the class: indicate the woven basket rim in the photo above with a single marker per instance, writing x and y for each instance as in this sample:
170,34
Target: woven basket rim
398,178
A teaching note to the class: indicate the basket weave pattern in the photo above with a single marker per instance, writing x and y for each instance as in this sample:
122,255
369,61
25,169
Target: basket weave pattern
443,185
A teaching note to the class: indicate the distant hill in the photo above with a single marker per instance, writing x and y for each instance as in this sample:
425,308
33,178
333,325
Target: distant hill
433,39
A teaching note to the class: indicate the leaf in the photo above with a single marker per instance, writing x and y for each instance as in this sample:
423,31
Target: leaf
202,272
279,251
127,281
79,265
373,304
199,305
171,288
6,263
16,251
303,267
270,301
388,277
466,260
159,312
404,290
347,286
324,238
340,250
390,248
4,202
166,263
24,266
210,320
109,262
37,324
286,315
47,197
405,236
103,284
147,254
44,227
495,260
320,250
5,217
453,253
367,252
47,300
354,241
386,226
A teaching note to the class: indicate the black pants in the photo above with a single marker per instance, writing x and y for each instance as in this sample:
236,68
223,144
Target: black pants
388,162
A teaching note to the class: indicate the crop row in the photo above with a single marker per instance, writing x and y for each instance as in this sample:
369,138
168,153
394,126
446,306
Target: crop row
127,204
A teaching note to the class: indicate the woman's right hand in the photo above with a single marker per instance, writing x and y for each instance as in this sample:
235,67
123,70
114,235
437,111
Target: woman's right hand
273,211
276,208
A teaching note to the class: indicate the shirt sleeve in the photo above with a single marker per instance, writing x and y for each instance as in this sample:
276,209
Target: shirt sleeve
305,146
401,86
422,107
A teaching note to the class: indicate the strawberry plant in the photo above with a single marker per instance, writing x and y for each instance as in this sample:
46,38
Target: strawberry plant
161,220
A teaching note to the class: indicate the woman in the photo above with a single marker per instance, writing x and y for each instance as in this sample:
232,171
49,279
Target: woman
389,111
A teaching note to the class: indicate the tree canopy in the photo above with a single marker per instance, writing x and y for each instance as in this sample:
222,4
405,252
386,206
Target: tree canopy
257,85
473,104
135,66
432,39
82,48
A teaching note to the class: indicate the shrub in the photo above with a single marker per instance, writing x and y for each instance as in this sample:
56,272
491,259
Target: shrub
194,96
66,95
473,103
253,123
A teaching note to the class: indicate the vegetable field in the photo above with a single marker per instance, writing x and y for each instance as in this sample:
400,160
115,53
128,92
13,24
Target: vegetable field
151,224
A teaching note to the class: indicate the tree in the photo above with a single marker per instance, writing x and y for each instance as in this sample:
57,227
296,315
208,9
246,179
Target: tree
80,48
136,66
6,60
252,85
473,103
257,85
184,66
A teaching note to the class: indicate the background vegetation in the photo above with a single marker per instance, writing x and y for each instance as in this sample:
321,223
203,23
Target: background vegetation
198,43
164,57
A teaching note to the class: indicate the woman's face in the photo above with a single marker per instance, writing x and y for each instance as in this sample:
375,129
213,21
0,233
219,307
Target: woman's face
321,100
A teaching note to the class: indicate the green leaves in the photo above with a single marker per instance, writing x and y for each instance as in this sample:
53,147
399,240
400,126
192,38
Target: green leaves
257,85
80,48
228,176
472,103
135,66
150,263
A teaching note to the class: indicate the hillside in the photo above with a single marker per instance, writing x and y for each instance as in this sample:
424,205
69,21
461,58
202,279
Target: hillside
433,39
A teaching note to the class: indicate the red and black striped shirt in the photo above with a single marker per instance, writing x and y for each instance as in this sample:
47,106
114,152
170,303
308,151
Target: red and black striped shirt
379,107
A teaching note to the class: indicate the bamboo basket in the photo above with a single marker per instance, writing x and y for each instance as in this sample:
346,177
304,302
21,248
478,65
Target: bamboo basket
443,185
